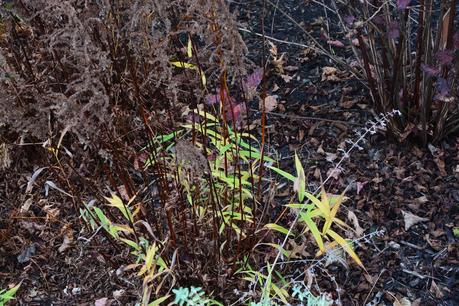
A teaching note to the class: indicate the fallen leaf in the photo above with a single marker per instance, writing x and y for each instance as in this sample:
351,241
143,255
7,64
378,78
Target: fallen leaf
440,164
102,302
330,74
335,43
330,157
402,302
68,239
403,4
31,227
435,289
33,178
65,244
355,222
270,103
286,78
360,186
298,251
334,173
411,219
28,252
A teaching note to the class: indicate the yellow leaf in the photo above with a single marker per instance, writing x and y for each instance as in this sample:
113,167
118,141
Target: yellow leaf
346,247
189,48
324,200
203,77
150,256
115,201
331,217
182,65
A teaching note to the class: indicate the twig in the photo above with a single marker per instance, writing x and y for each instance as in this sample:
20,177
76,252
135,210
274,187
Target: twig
311,118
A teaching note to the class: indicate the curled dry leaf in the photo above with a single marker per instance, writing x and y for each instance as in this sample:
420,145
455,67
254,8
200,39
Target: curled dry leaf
68,239
411,219
330,74
355,222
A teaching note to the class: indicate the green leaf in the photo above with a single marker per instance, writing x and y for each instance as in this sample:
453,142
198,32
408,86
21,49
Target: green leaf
314,230
102,218
281,293
276,227
8,295
456,232
131,243
301,206
283,173
318,203
158,302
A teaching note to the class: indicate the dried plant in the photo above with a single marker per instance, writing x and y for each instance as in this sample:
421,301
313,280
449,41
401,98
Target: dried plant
407,53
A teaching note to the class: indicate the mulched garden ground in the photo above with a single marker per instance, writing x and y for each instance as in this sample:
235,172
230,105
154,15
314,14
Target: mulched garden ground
391,185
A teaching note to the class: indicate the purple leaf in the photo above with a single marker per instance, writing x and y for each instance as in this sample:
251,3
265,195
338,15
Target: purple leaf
192,117
254,79
349,19
234,111
335,43
212,99
445,57
215,98
403,4
393,30
429,70
442,88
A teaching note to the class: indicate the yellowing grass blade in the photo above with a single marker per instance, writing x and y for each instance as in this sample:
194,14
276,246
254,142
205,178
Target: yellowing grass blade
189,48
115,201
331,217
182,65
346,247
314,230
300,181
278,228
150,256
324,199
318,203
203,77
